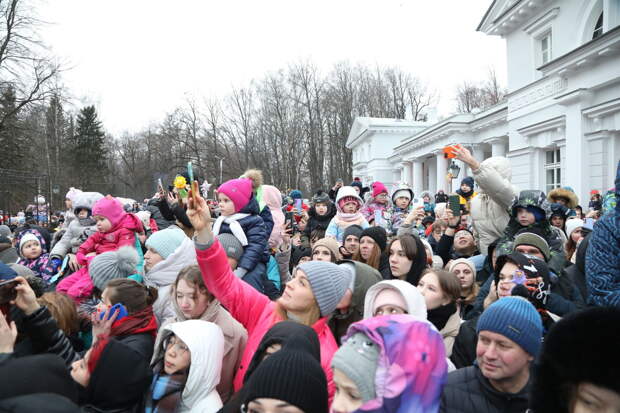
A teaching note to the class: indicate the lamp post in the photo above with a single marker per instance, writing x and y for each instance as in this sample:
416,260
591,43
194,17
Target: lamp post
221,170
454,170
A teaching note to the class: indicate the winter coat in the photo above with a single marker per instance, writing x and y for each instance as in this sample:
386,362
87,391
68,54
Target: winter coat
291,208
253,309
235,338
464,346
603,257
446,251
336,229
164,273
403,382
79,229
576,273
42,266
256,233
123,234
118,382
272,198
206,346
162,223
365,277
468,391
490,209
8,254
397,217
371,207
317,222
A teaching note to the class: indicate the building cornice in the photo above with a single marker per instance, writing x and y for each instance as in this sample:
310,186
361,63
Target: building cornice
510,19
608,44
603,109
550,124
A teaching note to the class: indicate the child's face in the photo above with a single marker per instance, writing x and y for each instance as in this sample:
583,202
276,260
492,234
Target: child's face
525,217
31,250
465,188
557,221
227,208
103,224
83,214
402,202
350,207
321,209
426,199
382,198
301,225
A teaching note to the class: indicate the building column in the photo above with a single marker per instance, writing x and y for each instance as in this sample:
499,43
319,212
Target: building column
432,175
576,152
406,177
478,152
417,183
498,147
442,171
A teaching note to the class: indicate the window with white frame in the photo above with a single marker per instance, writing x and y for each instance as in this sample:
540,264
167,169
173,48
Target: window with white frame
553,169
545,48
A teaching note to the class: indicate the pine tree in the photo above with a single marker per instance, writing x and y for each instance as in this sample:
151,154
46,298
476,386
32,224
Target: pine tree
88,155
13,143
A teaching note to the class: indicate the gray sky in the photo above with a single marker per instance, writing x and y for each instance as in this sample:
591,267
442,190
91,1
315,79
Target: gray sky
138,59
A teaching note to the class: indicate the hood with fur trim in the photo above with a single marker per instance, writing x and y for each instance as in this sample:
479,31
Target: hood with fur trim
563,193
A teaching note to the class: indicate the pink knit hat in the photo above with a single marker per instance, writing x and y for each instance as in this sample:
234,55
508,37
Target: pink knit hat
378,188
238,190
110,208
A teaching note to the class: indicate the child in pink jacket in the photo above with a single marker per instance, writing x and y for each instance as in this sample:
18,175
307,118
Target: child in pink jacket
378,204
115,229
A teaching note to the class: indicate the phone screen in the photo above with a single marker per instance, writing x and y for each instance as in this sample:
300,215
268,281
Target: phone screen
455,204
7,291
298,205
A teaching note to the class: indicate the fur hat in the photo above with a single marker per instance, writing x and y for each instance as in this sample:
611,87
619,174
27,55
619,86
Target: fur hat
566,194
580,348
256,176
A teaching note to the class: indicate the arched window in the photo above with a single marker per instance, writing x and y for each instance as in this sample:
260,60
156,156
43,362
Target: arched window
598,27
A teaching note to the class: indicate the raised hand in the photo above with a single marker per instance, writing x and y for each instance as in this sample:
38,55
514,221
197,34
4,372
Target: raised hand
8,335
26,300
198,211
463,154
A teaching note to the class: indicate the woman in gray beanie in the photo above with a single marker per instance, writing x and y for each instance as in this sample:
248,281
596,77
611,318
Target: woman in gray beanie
309,297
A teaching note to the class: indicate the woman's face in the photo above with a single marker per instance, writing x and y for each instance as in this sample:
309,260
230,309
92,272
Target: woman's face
557,221
321,253
298,295
352,244
431,291
577,235
400,264
506,279
465,275
348,397
177,356
321,209
590,398
79,370
265,405
367,244
192,302
151,258
105,302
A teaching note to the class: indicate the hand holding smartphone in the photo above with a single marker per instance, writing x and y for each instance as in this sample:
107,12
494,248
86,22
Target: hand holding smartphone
8,292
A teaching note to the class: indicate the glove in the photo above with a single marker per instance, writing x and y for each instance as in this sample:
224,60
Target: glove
240,272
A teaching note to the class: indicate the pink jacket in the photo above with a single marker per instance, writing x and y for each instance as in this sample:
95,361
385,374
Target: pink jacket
123,234
254,311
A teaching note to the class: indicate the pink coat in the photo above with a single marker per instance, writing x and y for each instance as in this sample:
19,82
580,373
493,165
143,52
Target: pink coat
254,311
121,235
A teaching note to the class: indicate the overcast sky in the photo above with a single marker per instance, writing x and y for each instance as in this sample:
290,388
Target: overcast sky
138,59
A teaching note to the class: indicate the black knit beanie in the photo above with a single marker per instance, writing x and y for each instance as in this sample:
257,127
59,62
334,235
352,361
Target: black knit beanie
292,376
378,234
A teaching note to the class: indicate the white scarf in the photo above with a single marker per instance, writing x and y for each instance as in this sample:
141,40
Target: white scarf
235,227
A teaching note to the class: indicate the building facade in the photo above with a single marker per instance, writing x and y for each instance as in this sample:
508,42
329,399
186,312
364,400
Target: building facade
559,124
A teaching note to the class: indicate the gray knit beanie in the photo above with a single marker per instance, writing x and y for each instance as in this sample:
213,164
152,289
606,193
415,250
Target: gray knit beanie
329,282
114,264
231,245
357,359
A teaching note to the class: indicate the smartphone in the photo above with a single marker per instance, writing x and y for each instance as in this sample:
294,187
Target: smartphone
455,205
288,219
7,291
378,218
122,313
448,151
190,172
160,186
298,205
589,224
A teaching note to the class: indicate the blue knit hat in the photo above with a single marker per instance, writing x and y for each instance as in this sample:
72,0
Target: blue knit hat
167,240
516,319
295,194
469,181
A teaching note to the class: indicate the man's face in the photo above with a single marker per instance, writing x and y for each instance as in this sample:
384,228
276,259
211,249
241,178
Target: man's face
463,240
530,250
500,358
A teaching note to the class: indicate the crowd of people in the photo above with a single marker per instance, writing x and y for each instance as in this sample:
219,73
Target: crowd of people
491,299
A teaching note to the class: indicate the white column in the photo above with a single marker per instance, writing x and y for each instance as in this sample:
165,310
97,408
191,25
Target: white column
442,171
417,177
432,175
498,147
576,151
406,177
478,152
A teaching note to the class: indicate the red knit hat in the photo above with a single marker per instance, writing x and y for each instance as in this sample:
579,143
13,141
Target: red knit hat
378,188
238,190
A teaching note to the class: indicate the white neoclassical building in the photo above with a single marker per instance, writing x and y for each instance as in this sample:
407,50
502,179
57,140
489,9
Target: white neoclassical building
560,122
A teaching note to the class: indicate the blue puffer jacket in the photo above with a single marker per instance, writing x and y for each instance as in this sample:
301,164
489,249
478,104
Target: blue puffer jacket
253,225
603,257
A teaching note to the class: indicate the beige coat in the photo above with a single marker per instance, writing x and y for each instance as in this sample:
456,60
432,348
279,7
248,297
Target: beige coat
235,338
450,331
490,210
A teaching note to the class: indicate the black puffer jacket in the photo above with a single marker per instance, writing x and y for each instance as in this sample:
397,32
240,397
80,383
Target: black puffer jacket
162,223
468,391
